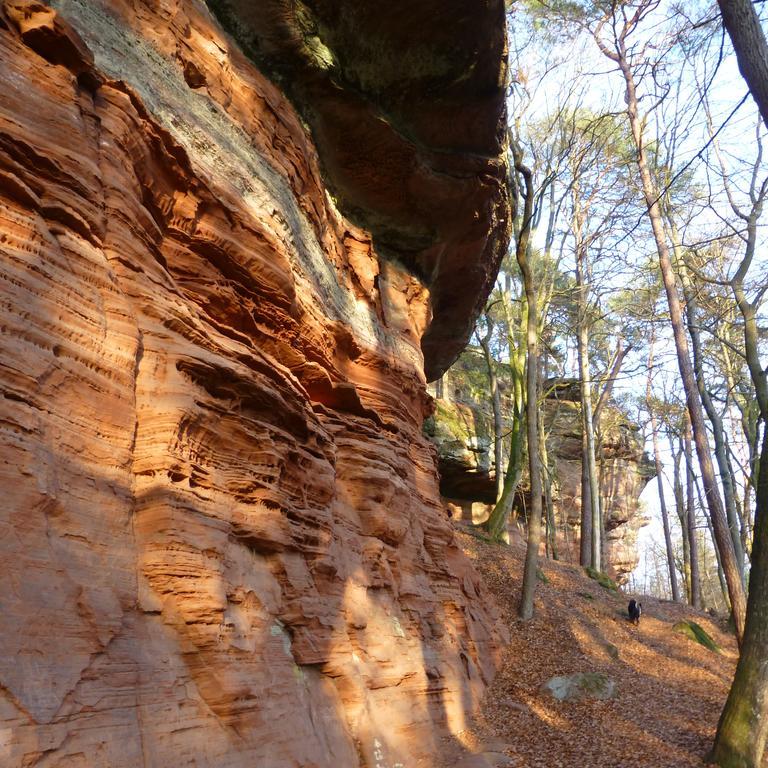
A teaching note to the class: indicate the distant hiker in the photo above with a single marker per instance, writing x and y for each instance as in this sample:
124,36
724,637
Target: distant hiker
634,610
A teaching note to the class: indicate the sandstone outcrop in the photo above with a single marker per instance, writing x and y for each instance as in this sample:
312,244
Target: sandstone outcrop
624,470
462,429
222,541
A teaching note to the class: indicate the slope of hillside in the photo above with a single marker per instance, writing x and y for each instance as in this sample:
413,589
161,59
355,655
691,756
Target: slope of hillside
669,689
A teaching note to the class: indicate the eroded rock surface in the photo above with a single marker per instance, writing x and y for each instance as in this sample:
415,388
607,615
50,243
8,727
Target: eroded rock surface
221,538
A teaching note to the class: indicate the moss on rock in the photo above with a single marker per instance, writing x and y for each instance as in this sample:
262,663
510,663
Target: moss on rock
697,633
593,685
603,579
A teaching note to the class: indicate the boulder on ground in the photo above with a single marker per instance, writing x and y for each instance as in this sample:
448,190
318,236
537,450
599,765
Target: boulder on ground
697,633
592,685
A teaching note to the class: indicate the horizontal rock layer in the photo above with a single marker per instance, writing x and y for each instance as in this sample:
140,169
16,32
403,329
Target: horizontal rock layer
221,536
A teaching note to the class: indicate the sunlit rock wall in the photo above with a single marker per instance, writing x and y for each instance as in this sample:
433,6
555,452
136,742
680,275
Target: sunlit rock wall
221,536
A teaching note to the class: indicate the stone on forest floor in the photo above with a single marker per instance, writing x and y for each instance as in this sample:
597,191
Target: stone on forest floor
593,685
697,633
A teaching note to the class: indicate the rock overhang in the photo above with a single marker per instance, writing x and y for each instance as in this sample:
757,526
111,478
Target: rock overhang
406,105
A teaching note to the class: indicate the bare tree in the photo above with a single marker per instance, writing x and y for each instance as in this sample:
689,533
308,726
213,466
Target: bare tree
532,391
690,516
493,385
743,728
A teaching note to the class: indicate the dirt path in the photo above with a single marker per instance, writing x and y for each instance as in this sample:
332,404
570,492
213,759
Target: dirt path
670,689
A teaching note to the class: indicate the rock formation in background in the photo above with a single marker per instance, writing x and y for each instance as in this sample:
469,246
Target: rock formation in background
221,534
462,429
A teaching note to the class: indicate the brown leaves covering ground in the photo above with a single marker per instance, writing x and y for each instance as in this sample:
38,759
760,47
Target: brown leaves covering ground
670,689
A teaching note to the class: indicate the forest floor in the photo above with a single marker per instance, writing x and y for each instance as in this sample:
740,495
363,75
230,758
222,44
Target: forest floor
670,689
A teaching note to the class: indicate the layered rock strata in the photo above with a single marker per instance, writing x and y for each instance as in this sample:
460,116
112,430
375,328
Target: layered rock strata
221,536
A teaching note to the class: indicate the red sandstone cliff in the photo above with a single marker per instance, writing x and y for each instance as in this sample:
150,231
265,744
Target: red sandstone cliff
221,533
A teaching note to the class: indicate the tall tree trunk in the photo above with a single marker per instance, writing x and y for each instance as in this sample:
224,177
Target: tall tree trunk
741,512
496,524
531,392
590,549
690,515
718,432
665,515
748,417
743,25
693,401
600,458
534,470
498,422
603,398
660,482
589,488
720,576
585,536
743,727
549,508
707,584
677,487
